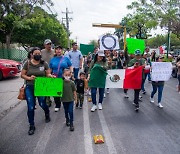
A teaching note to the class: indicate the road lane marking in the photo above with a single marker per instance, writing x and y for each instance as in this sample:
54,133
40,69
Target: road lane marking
45,136
107,135
87,132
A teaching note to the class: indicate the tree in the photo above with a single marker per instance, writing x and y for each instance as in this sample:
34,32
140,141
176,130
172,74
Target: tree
39,26
94,42
12,12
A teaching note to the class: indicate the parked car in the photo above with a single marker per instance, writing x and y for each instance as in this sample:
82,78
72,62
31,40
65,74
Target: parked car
9,68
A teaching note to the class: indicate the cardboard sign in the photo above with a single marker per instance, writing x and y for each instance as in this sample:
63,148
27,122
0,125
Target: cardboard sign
109,42
48,86
161,71
135,44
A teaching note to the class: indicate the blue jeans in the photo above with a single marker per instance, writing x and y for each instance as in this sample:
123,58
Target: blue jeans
149,76
93,95
31,100
143,82
76,71
160,90
68,110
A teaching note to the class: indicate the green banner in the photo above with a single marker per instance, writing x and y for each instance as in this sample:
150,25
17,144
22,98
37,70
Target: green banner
134,44
85,48
48,86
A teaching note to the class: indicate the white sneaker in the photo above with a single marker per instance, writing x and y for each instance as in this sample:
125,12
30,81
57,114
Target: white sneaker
160,105
89,93
100,106
56,109
94,107
151,100
104,95
126,95
107,91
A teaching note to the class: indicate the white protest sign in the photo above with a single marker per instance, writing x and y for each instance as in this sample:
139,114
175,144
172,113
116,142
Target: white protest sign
161,71
109,42
115,78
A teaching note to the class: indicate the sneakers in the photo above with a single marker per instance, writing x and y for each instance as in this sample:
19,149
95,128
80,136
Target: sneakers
104,95
94,107
143,92
71,127
126,95
100,106
31,130
107,91
67,123
160,105
47,118
151,100
56,109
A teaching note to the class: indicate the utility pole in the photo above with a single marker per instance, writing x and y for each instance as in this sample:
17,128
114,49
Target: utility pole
67,19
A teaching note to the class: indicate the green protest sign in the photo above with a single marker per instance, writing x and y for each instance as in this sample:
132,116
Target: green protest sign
86,48
134,44
48,86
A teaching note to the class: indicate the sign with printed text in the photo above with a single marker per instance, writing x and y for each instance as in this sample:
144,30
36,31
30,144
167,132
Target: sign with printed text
48,86
109,42
115,78
161,71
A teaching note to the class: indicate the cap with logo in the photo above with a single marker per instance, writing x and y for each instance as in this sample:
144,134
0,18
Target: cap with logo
137,52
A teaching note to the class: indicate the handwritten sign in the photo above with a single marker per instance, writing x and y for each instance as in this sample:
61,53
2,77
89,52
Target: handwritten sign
161,71
109,42
48,86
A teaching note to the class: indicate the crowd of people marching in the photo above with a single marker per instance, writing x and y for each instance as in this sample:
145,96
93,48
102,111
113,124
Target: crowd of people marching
79,74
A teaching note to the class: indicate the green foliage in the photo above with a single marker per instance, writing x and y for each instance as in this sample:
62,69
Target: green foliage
38,27
93,42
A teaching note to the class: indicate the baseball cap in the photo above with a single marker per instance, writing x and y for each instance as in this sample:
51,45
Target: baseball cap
47,41
58,47
101,53
137,52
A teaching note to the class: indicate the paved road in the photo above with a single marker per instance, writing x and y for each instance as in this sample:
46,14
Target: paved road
151,131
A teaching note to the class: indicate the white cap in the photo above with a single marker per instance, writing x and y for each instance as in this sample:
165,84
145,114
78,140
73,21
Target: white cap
101,53
47,41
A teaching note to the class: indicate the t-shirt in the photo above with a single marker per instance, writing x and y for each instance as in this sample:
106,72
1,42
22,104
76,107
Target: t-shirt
62,63
80,86
36,70
68,91
47,55
75,57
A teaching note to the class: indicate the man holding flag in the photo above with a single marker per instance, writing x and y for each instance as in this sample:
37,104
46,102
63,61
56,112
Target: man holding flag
136,63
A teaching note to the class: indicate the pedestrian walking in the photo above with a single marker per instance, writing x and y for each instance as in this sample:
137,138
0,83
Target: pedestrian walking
47,54
57,65
33,68
137,62
97,78
76,58
80,85
157,85
68,98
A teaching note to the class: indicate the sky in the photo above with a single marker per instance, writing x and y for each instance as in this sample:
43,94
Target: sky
86,12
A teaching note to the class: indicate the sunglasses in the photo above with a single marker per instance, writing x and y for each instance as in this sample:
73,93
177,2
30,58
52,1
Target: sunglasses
48,44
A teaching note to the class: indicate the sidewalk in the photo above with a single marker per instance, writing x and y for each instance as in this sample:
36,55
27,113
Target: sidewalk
8,94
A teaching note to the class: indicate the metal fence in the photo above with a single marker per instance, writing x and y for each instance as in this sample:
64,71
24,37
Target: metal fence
13,54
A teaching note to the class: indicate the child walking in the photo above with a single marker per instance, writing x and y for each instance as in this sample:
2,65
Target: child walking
80,90
69,95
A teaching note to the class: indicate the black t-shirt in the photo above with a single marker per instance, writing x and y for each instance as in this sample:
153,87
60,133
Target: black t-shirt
80,86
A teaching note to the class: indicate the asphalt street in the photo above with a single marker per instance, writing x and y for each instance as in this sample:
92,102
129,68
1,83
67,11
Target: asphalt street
150,131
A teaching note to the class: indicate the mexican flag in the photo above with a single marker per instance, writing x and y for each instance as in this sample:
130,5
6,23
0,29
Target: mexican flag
130,78
97,77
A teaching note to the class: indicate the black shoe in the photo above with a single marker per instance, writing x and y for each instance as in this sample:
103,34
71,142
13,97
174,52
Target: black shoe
67,123
47,118
31,130
77,105
144,92
80,106
71,127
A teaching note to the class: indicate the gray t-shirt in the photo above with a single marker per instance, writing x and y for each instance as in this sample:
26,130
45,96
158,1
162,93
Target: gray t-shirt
36,70
47,55
75,57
